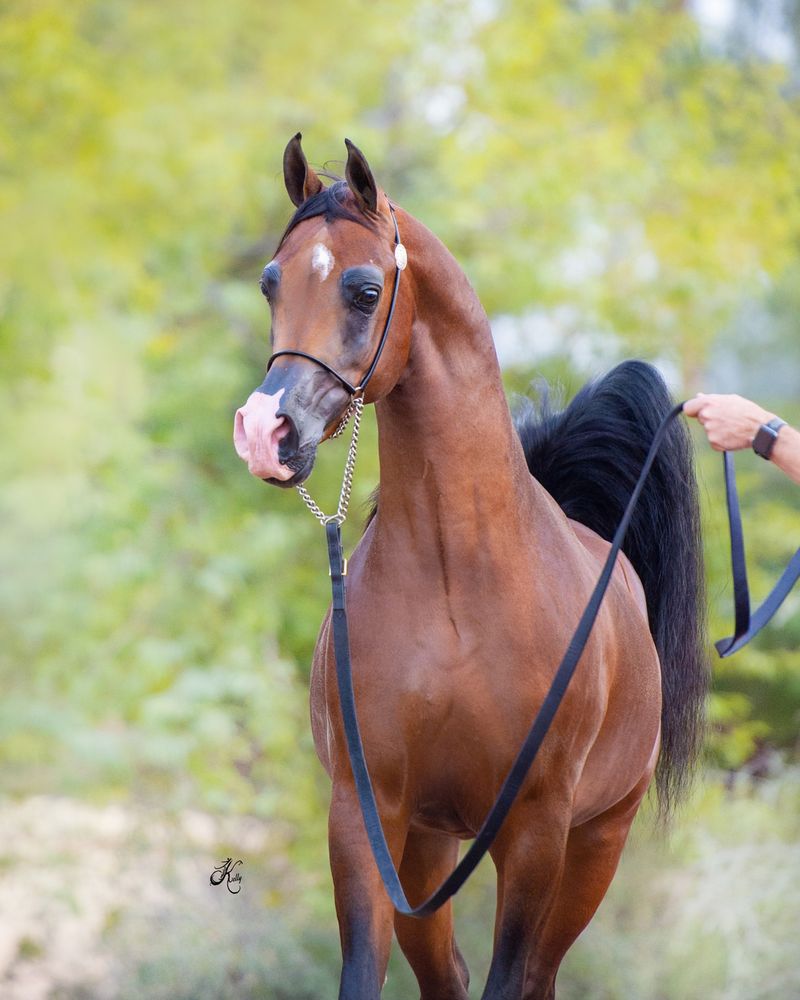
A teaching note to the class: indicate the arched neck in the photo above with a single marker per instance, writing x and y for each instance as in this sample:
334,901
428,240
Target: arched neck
448,449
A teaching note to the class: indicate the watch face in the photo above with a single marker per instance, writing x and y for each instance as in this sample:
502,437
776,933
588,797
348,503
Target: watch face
764,441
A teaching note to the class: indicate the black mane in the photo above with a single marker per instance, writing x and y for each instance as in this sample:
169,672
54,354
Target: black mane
588,457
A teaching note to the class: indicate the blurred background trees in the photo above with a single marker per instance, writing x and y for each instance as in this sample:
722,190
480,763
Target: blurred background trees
617,178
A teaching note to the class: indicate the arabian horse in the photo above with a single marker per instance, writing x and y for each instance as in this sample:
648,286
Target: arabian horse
464,589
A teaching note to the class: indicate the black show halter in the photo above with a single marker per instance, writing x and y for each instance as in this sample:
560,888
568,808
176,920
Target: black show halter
400,260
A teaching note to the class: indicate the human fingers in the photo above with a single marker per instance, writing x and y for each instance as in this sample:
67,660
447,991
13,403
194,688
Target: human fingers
693,406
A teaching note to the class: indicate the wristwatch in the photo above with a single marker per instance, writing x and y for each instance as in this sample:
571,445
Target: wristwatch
764,441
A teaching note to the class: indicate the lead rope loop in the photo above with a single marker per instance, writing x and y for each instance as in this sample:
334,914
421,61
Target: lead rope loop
355,409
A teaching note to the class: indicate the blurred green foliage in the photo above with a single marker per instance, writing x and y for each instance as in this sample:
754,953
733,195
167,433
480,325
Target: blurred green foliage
598,161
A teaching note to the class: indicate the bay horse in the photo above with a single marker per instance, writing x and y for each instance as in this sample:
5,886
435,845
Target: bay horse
465,587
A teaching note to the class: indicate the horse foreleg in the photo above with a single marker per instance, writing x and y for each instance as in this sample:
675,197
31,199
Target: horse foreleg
592,856
529,856
429,943
363,909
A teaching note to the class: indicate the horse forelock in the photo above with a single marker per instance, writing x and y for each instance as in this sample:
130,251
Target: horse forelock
331,202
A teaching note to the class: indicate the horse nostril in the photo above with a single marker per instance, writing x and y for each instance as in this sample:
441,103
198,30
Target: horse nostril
290,442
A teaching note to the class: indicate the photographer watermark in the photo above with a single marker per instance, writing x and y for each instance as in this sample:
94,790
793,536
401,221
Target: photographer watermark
226,872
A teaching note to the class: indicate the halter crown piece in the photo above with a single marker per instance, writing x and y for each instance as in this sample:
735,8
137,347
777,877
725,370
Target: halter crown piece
356,407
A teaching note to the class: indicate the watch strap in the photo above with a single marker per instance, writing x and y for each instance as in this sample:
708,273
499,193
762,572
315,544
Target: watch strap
764,441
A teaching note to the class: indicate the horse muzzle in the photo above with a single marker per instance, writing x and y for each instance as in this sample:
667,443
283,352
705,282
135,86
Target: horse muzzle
258,434
278,429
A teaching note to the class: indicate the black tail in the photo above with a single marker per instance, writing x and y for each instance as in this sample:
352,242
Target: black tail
588,457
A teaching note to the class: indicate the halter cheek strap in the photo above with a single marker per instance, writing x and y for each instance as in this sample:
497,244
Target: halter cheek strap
401,260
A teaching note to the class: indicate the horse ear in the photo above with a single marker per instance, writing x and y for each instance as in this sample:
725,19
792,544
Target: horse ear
301,181
360,179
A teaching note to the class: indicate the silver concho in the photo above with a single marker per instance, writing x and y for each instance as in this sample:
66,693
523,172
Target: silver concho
400,257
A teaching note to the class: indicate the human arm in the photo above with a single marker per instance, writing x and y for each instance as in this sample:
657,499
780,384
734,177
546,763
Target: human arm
732,422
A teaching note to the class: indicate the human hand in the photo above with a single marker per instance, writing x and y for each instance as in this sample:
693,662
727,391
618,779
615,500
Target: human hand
730,422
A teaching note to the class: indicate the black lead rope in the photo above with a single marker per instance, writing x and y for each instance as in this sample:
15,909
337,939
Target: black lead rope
525,757
746,627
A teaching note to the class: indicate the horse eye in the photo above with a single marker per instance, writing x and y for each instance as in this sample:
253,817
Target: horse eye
270,278
367,299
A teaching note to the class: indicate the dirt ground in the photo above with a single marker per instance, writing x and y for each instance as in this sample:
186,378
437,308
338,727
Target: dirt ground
71,873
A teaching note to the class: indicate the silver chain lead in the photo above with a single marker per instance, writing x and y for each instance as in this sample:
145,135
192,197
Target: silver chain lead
355,409
345,418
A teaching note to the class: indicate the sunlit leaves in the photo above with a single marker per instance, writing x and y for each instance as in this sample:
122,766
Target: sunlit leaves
158,605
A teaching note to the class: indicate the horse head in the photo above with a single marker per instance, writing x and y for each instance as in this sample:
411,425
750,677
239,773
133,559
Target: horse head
333,289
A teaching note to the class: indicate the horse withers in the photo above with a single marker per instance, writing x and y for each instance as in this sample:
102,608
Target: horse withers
465,588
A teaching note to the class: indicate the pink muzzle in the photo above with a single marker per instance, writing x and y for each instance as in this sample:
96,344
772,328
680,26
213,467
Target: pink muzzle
257,432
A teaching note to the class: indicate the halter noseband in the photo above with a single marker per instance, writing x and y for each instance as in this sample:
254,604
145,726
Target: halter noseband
401,259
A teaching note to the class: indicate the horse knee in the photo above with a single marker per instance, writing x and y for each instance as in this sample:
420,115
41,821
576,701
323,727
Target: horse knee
362,975
365,932
530,866
363,909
